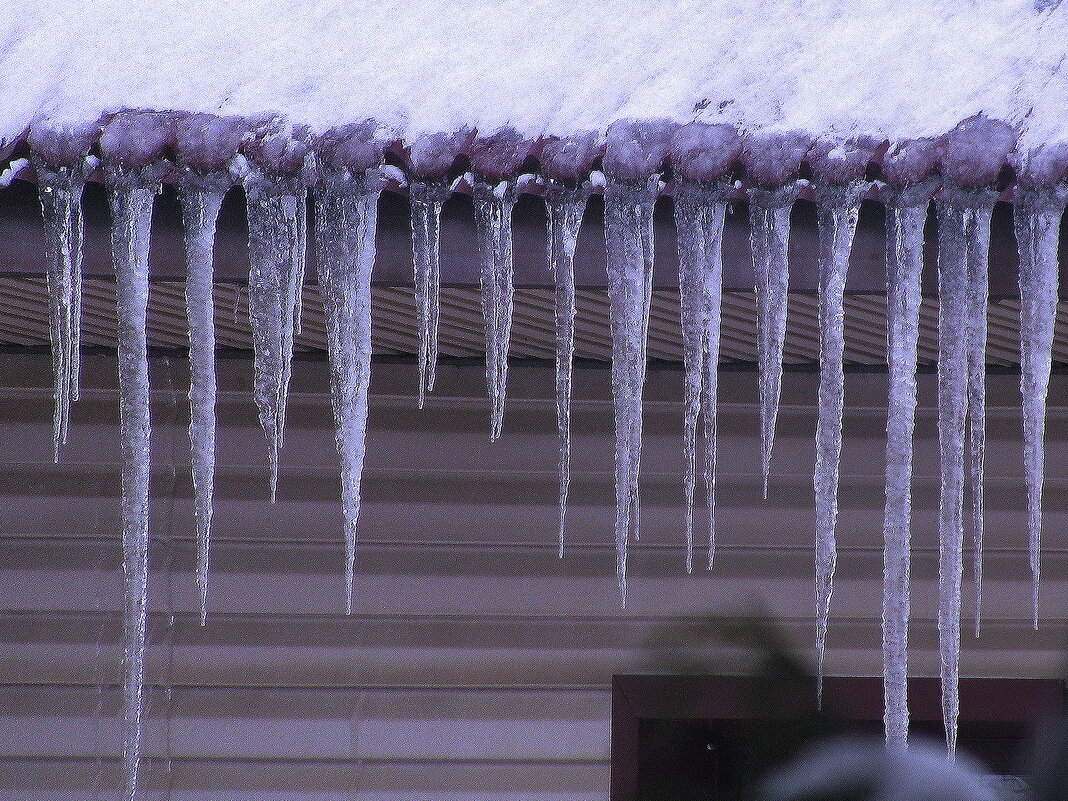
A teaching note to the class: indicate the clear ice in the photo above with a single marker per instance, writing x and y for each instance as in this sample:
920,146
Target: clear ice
60,192
906,213
427,199
629,241
699,213
977,233
769,221
201,198
277,221
493,229
963,237
131,195
564,206
345,220
838,210
1037,217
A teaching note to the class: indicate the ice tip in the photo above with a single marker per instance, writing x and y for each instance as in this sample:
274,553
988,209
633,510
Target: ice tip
571,158
774,158
433,156
975,152
207,143
910,161
1041,167
60,144
500,154
135,139
844,161
636,150
354,148
704,152
276,146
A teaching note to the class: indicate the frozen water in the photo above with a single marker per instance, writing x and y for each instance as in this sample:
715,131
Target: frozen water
564,206
629,241
957,224
201,198
838,210
277,222
60,192
131,195
1037,219
345,219
427,199
769,220
493,228
977,232
699,212
906,213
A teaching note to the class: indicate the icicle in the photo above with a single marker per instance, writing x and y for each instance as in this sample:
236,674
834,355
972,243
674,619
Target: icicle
963,236
493,227
906,212
202,197
131,195
1037,220
839,208
978,233
699,212
427,199
345,219
769,220
629,241
60,191
565,206
276,221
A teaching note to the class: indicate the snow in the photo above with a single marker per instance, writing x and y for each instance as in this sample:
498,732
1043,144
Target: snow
572,65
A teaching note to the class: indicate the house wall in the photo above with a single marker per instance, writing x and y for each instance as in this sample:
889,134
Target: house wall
476,664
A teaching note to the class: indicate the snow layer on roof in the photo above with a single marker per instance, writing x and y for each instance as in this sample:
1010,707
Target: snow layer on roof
895,70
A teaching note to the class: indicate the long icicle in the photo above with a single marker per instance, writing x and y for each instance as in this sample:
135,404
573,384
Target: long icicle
629,241
60,191
345,220
131,194
838,210
564,206
906,213
769,220
957,220
978,245
493,228
1037,216
427,200
699,212
201,198
276,220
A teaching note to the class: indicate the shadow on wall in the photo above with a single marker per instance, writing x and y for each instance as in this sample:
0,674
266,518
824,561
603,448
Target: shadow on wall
786,750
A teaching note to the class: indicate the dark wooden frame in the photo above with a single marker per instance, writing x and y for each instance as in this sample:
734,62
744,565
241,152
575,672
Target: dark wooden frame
1022,701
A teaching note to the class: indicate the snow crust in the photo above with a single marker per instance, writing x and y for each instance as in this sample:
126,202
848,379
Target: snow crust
546,67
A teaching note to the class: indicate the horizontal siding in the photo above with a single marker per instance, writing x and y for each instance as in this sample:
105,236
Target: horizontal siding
476,664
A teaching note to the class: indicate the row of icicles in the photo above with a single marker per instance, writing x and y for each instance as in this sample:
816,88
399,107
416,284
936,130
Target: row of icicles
344,243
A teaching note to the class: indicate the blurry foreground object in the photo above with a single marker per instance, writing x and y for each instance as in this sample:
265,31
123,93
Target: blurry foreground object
865,770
